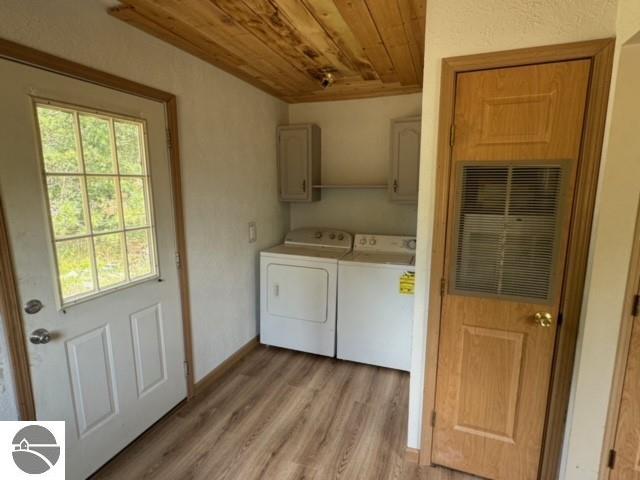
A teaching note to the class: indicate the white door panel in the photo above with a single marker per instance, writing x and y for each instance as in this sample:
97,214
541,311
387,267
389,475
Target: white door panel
114,364
93,380
298,292
149,349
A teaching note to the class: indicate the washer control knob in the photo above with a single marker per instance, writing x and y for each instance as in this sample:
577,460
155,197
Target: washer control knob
363,241
332,236
340,236
411,244
318,235
372,241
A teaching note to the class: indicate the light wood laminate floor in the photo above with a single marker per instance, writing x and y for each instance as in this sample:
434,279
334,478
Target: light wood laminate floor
283,415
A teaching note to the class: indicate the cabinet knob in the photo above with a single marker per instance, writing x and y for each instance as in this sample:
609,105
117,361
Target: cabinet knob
395,186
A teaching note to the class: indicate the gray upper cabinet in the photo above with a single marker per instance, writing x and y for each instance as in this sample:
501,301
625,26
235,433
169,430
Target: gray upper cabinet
405,160
299,162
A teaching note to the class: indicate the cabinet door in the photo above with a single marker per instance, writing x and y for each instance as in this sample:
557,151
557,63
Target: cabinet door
405,160
294,159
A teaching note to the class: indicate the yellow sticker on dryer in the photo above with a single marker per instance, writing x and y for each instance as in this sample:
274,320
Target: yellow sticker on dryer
407,283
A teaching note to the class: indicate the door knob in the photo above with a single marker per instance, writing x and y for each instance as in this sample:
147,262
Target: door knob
40,336
33,306
544,319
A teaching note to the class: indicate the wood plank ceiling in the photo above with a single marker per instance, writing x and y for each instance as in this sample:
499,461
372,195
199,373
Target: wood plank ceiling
285,47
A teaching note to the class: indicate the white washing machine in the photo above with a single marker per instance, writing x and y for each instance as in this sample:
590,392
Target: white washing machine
375,301
298,290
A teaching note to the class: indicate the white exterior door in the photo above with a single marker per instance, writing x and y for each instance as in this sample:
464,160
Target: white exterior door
85,181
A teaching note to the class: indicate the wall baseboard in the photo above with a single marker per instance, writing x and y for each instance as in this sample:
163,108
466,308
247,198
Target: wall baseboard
214,375
412,455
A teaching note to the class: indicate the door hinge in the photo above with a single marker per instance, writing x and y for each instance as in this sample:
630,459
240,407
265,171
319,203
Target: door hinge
433,418
611,462
169,142
635,309
443,286
452,135
178,264
186,369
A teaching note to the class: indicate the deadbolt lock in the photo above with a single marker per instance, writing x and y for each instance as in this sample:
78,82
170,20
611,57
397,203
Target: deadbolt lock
33,306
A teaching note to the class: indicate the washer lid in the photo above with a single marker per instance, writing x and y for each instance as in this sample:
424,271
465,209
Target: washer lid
384,258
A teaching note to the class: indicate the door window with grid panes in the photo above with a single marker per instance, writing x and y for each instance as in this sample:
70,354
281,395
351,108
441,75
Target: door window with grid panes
99,198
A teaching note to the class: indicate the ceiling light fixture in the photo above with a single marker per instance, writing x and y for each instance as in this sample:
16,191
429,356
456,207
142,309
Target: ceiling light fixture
327,80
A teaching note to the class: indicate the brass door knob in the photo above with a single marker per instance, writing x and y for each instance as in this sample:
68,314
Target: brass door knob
544,319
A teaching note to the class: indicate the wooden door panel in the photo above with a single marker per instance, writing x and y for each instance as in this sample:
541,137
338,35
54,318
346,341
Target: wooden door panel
521,113
487,354
627,440
517,144
503,119
489,402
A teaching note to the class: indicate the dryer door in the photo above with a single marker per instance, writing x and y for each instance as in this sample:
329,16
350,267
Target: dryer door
297,292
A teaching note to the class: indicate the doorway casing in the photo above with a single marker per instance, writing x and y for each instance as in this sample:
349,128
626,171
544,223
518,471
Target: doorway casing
600,54
9,298
629,316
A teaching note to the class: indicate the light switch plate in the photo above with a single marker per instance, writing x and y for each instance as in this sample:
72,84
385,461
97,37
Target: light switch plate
253,232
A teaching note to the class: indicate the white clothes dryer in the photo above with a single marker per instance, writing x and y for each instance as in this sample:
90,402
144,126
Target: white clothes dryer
298,290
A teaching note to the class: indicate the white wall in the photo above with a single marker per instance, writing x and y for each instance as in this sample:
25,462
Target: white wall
355,150
467,27
612,238
227,137
356,211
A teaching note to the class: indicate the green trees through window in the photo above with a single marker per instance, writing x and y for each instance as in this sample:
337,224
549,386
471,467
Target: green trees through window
99,199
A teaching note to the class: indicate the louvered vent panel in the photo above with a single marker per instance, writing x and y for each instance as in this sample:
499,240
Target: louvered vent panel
507,230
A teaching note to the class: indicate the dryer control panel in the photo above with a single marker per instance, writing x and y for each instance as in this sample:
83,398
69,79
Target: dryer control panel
384,243
319,237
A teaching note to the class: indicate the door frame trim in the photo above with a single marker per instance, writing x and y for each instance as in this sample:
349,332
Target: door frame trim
622,353
600,53
10,310
9,303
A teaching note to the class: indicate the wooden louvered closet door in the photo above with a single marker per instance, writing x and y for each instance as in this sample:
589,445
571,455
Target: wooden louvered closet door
517,143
